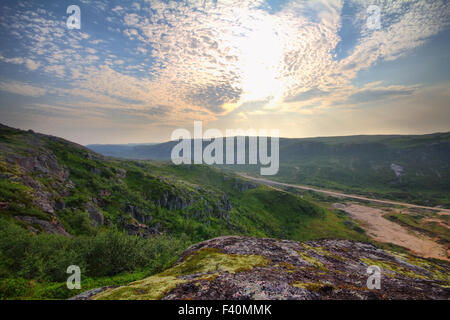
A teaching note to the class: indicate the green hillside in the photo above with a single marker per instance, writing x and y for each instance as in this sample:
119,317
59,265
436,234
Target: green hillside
414,169
122,220
410,168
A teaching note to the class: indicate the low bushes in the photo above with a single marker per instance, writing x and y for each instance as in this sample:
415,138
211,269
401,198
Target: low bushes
45,258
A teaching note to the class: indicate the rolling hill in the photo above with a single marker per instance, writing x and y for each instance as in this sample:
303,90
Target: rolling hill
62,204
410,168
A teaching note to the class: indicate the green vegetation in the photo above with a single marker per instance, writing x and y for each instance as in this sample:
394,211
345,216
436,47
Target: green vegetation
310,286
362,165
316,263
393,267
49,182
34,266
420,223
204,261
213,260
437,271
353,164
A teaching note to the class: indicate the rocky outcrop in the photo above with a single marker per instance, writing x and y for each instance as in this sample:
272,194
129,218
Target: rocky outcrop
36,168
51,227
172,201
242,185
251,268
142,230
96,216
44,163
89,294
138,229
223,207
136,214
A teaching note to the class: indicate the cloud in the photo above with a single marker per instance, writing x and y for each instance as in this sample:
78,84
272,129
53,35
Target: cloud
405,26
32,65
307,95
236,48
213,97
23,89
29,63
368,95
158,110
213,57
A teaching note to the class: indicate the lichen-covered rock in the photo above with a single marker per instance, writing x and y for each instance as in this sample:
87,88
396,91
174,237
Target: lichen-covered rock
243,185
89,294
136,214
173,201
96,216
52,227
235,267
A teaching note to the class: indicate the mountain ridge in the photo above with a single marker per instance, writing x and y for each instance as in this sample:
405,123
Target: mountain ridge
408,168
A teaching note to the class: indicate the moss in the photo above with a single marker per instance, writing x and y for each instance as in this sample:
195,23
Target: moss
312,260
352,287
290,267
213,260
393,267
310,286
209,277
321,251
3,167
206,260
437,272
152,288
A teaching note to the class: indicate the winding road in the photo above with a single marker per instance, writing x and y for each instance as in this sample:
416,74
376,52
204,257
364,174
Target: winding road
341,195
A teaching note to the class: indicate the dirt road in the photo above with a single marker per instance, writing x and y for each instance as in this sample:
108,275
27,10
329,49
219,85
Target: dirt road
383,230
343,195
376,226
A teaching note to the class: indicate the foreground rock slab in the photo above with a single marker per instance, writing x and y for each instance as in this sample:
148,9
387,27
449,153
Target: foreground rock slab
252,268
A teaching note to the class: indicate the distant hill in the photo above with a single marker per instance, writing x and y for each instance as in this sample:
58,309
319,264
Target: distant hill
47,180
144,151
412,168
117,150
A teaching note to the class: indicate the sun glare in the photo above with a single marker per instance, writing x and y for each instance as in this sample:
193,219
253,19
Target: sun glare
260,52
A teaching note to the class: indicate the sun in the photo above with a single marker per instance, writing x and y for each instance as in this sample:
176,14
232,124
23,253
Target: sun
259,46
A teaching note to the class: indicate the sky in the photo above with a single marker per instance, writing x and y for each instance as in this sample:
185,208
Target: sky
137,70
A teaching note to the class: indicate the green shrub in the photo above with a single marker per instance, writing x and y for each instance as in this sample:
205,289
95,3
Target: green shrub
13,287
76,222
54,291
45,258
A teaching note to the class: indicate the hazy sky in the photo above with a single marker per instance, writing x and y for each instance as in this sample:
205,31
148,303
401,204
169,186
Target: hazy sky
137,70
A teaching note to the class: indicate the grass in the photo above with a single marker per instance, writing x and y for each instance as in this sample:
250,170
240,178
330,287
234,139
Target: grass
204,261
417,223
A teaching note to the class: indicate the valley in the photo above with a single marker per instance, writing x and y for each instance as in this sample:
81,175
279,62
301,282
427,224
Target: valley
343,195
125,221
383,230
411,169
375,220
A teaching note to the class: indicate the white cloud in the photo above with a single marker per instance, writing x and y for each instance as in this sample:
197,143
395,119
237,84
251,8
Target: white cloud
32,65
21,88
29,63
213,57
